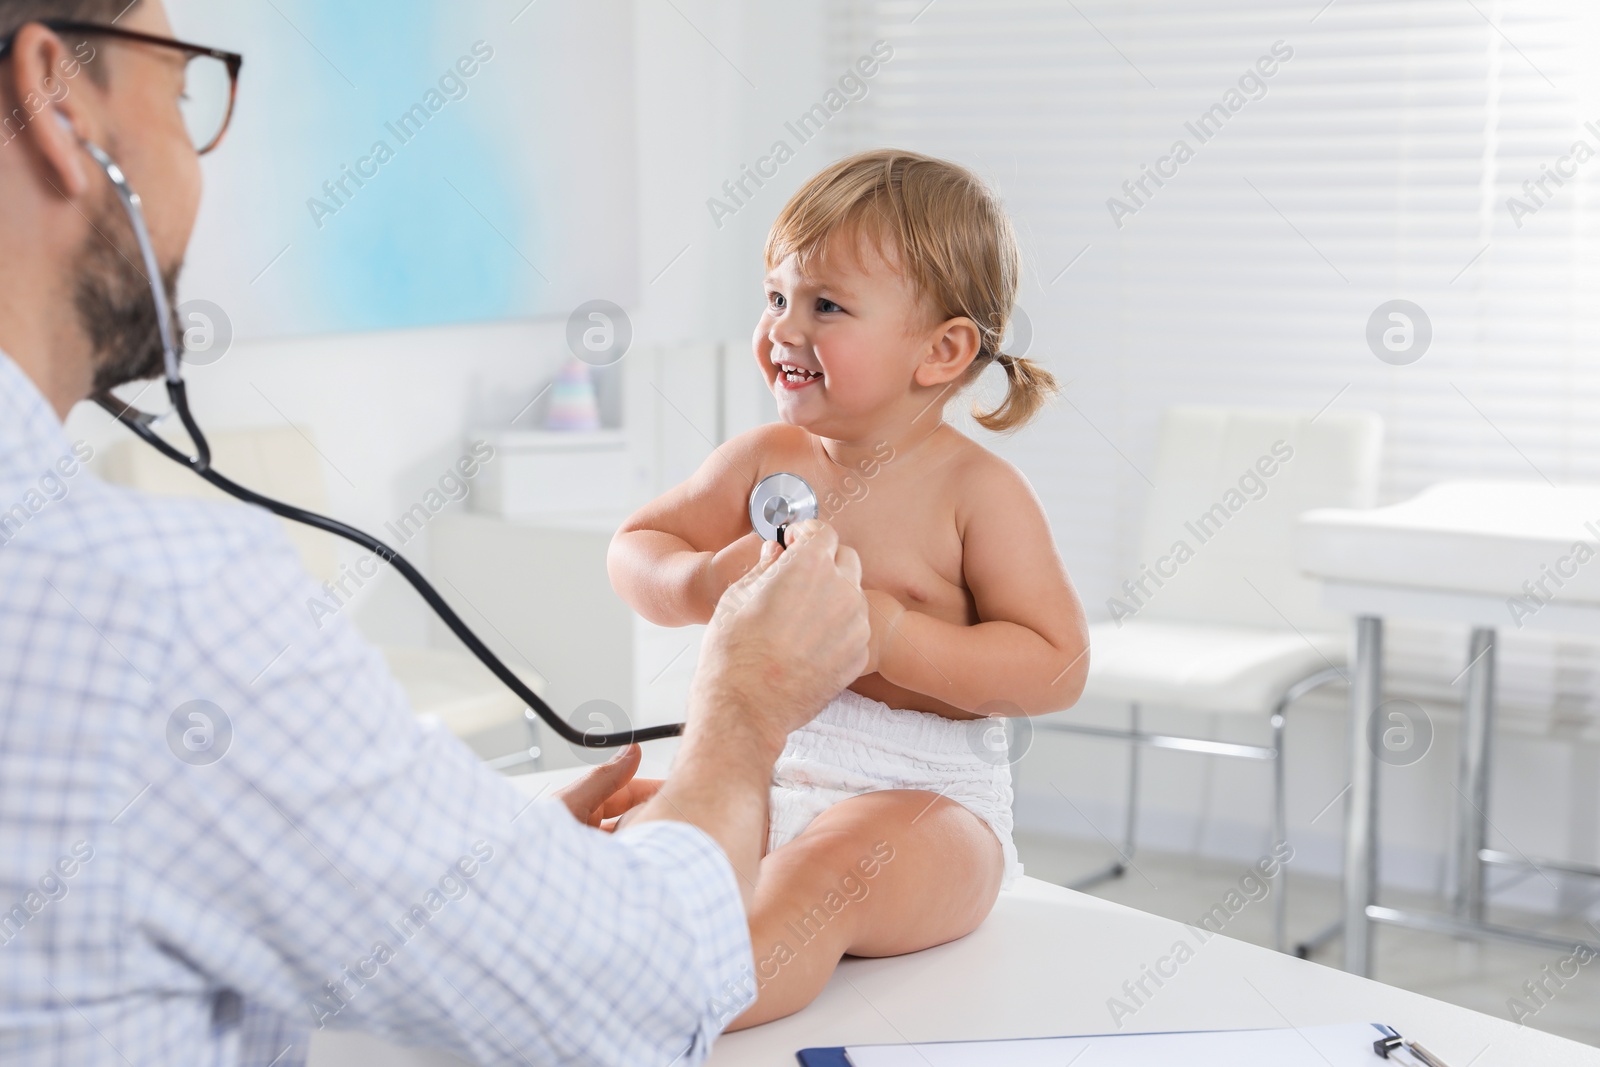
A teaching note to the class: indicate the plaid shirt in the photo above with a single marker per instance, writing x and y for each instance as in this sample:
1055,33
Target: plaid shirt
221,826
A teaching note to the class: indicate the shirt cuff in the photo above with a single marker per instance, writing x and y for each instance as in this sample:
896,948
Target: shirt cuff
704,883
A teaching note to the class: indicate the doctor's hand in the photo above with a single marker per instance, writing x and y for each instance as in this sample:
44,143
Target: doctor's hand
784,639
601,797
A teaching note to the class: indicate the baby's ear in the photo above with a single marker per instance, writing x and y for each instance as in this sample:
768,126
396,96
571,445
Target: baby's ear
953,347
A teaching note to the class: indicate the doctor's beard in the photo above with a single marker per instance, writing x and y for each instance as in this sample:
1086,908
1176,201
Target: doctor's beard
115,308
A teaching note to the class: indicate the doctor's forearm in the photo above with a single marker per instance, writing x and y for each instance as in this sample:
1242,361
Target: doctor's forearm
969,666
720,779
661,577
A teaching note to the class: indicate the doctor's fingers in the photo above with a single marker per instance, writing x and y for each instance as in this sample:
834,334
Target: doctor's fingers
628,797
814,579
831,612
816,540
849,564
819,575
819,535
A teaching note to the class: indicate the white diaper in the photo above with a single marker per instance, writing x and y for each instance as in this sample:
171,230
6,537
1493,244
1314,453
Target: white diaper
859,745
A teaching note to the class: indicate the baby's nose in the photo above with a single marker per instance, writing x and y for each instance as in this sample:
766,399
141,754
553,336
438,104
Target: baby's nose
786,333
787,340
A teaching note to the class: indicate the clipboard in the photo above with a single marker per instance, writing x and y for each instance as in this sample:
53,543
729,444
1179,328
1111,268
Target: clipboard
822,1057
1351,1042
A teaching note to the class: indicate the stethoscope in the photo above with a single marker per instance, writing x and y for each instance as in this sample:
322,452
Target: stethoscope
777,502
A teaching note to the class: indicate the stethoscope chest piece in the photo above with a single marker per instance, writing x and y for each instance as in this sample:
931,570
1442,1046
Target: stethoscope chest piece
779,500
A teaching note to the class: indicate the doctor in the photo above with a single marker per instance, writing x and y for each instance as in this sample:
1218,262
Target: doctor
315,859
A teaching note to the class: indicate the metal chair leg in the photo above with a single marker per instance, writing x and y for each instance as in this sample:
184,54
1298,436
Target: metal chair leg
1119,867
1280,832
1280,815
1280,823
1109,873
1305,948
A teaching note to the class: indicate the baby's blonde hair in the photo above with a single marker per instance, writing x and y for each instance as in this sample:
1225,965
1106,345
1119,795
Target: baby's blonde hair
954,244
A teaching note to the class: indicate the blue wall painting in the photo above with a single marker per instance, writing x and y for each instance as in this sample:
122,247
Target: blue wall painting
399,163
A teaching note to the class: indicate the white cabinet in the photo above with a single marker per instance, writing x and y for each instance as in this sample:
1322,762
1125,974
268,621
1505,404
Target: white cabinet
542,472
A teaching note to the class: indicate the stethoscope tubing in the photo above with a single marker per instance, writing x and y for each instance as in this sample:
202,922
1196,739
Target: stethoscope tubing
424,588
200,463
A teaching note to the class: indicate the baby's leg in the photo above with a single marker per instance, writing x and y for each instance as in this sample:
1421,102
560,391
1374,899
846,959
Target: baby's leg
935,870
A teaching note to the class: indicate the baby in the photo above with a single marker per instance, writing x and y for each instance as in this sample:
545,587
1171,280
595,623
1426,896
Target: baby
890,280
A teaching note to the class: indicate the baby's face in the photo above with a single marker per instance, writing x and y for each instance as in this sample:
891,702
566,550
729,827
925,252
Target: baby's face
852,324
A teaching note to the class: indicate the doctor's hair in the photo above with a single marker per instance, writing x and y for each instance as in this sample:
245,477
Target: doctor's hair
15,14
949,236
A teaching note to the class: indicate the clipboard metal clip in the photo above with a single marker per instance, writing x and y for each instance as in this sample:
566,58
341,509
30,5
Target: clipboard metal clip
1385,1046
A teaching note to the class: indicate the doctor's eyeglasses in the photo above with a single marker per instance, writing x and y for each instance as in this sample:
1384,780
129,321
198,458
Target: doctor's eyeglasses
210,76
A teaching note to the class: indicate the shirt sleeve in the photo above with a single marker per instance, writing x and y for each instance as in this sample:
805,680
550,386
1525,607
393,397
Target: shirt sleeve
332,860
705,882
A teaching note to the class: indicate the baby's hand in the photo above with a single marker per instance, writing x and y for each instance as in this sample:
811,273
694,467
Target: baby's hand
730,564
883,611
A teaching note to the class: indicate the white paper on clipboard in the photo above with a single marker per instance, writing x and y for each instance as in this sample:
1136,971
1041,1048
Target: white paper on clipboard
1344,1045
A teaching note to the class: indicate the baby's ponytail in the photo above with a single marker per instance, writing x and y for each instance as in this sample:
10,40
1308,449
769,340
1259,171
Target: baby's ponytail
1028,386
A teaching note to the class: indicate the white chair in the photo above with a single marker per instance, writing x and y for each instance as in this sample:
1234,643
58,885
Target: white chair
445,686
1217,618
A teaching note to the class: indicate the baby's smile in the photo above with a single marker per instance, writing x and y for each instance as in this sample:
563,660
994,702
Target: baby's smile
794,376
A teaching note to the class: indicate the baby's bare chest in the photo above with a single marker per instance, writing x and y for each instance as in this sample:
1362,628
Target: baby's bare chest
901,521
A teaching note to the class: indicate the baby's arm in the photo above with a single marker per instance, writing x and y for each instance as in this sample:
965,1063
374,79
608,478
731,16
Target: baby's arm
1031,645
673,558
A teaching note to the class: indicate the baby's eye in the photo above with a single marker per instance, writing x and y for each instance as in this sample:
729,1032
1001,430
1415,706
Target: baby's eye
776,301
824,304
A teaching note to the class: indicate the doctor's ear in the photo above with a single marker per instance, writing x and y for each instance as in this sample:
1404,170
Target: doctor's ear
39,91
62,150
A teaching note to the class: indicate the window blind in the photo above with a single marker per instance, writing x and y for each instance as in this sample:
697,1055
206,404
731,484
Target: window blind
1338,156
